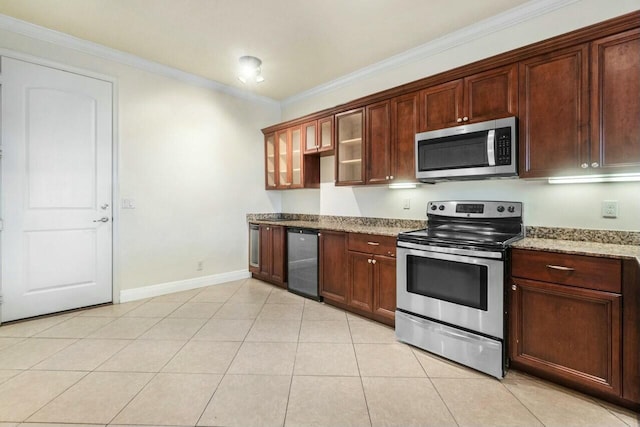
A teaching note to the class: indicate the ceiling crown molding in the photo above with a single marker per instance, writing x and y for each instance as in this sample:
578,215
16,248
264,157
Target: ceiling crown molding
58,38
509,18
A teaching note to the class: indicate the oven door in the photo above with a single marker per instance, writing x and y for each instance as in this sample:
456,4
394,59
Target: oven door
461,290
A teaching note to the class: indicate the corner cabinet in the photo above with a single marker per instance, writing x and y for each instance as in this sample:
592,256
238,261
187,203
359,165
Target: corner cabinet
350,146
488,95
566,319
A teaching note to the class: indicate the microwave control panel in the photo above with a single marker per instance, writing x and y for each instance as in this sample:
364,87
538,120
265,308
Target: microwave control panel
503,146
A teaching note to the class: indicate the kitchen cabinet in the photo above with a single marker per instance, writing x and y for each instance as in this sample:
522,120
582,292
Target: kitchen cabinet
350,146
378,143
270,161
566,319
615,104
333,266
483,96
554,112
272,255
318,136
286,167
586,131
372,276
404,126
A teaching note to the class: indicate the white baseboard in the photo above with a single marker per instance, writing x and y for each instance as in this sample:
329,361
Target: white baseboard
181,285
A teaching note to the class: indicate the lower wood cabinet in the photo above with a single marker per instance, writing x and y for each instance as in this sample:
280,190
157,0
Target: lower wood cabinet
273,267
332,266
574,319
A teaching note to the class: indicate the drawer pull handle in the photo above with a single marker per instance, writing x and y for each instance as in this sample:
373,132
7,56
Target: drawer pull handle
373,243
559,267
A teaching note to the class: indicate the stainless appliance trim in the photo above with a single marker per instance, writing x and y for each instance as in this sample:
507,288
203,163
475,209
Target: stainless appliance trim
451,250
475,351
488,322
491,155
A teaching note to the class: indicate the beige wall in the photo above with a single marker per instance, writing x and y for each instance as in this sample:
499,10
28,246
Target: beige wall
550,205
191,157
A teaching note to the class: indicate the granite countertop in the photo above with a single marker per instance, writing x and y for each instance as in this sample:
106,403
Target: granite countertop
605,250
381,230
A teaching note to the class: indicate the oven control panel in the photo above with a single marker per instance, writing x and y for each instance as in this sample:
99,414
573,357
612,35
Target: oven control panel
475,209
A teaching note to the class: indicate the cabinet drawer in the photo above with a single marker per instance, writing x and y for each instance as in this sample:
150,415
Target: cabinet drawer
372,244
582,271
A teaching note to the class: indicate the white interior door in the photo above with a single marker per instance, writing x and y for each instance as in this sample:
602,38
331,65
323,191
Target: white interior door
56,254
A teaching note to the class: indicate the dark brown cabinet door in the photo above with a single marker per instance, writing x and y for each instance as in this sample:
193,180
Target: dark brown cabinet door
554,109
265,251
492,94
567,333
378,147
404,126
615,103
384,287
278,255
360,279
333,266
441,105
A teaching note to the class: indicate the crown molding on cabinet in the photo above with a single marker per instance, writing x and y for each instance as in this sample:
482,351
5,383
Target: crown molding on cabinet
65,40
509,18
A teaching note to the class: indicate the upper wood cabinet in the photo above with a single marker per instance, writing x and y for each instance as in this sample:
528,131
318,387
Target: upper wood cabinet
554,112
270,172
565,129
350,147
492,94
286,166
378,144
404,126
615,103
318,136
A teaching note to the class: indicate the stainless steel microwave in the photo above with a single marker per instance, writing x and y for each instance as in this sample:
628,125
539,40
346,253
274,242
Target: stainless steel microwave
475,151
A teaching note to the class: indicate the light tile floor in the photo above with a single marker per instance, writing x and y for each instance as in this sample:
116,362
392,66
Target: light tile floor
249,354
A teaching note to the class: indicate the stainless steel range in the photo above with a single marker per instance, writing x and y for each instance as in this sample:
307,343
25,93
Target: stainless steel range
450,278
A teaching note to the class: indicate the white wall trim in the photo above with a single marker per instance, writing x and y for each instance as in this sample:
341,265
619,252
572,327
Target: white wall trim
18,26
509,18
149,291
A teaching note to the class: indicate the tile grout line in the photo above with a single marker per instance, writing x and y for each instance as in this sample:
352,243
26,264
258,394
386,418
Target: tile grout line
522,403
355,355
293,370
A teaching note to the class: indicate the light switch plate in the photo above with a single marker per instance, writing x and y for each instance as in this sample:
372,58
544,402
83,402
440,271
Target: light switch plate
406,204
609,208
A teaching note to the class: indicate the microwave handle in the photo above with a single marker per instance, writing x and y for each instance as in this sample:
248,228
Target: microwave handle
491,154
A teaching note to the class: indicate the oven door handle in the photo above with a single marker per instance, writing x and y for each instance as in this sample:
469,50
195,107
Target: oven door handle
491,154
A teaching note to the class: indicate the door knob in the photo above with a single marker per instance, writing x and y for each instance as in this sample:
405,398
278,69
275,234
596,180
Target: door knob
103,219
105,206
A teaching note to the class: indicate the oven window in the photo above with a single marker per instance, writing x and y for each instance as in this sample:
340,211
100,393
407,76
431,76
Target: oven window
456,282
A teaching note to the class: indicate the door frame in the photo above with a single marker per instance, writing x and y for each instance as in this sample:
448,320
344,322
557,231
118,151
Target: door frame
115,159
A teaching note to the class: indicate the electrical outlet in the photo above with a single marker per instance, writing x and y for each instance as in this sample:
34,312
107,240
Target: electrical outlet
609,208
406,204
128,204
199,268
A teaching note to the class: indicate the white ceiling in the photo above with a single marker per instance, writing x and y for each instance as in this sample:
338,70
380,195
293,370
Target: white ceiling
302,43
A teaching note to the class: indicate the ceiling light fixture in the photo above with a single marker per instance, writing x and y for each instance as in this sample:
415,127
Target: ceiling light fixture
621,177
250,70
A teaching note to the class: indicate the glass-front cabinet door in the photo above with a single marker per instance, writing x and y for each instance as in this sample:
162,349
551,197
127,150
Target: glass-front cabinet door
296,158
284,171
325,134
309,132
270,161
350,147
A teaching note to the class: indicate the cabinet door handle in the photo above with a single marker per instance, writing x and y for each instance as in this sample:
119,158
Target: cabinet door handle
369,261
373,243
595,164
584,165
559,267
459,120
373,261
465,119
513,287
